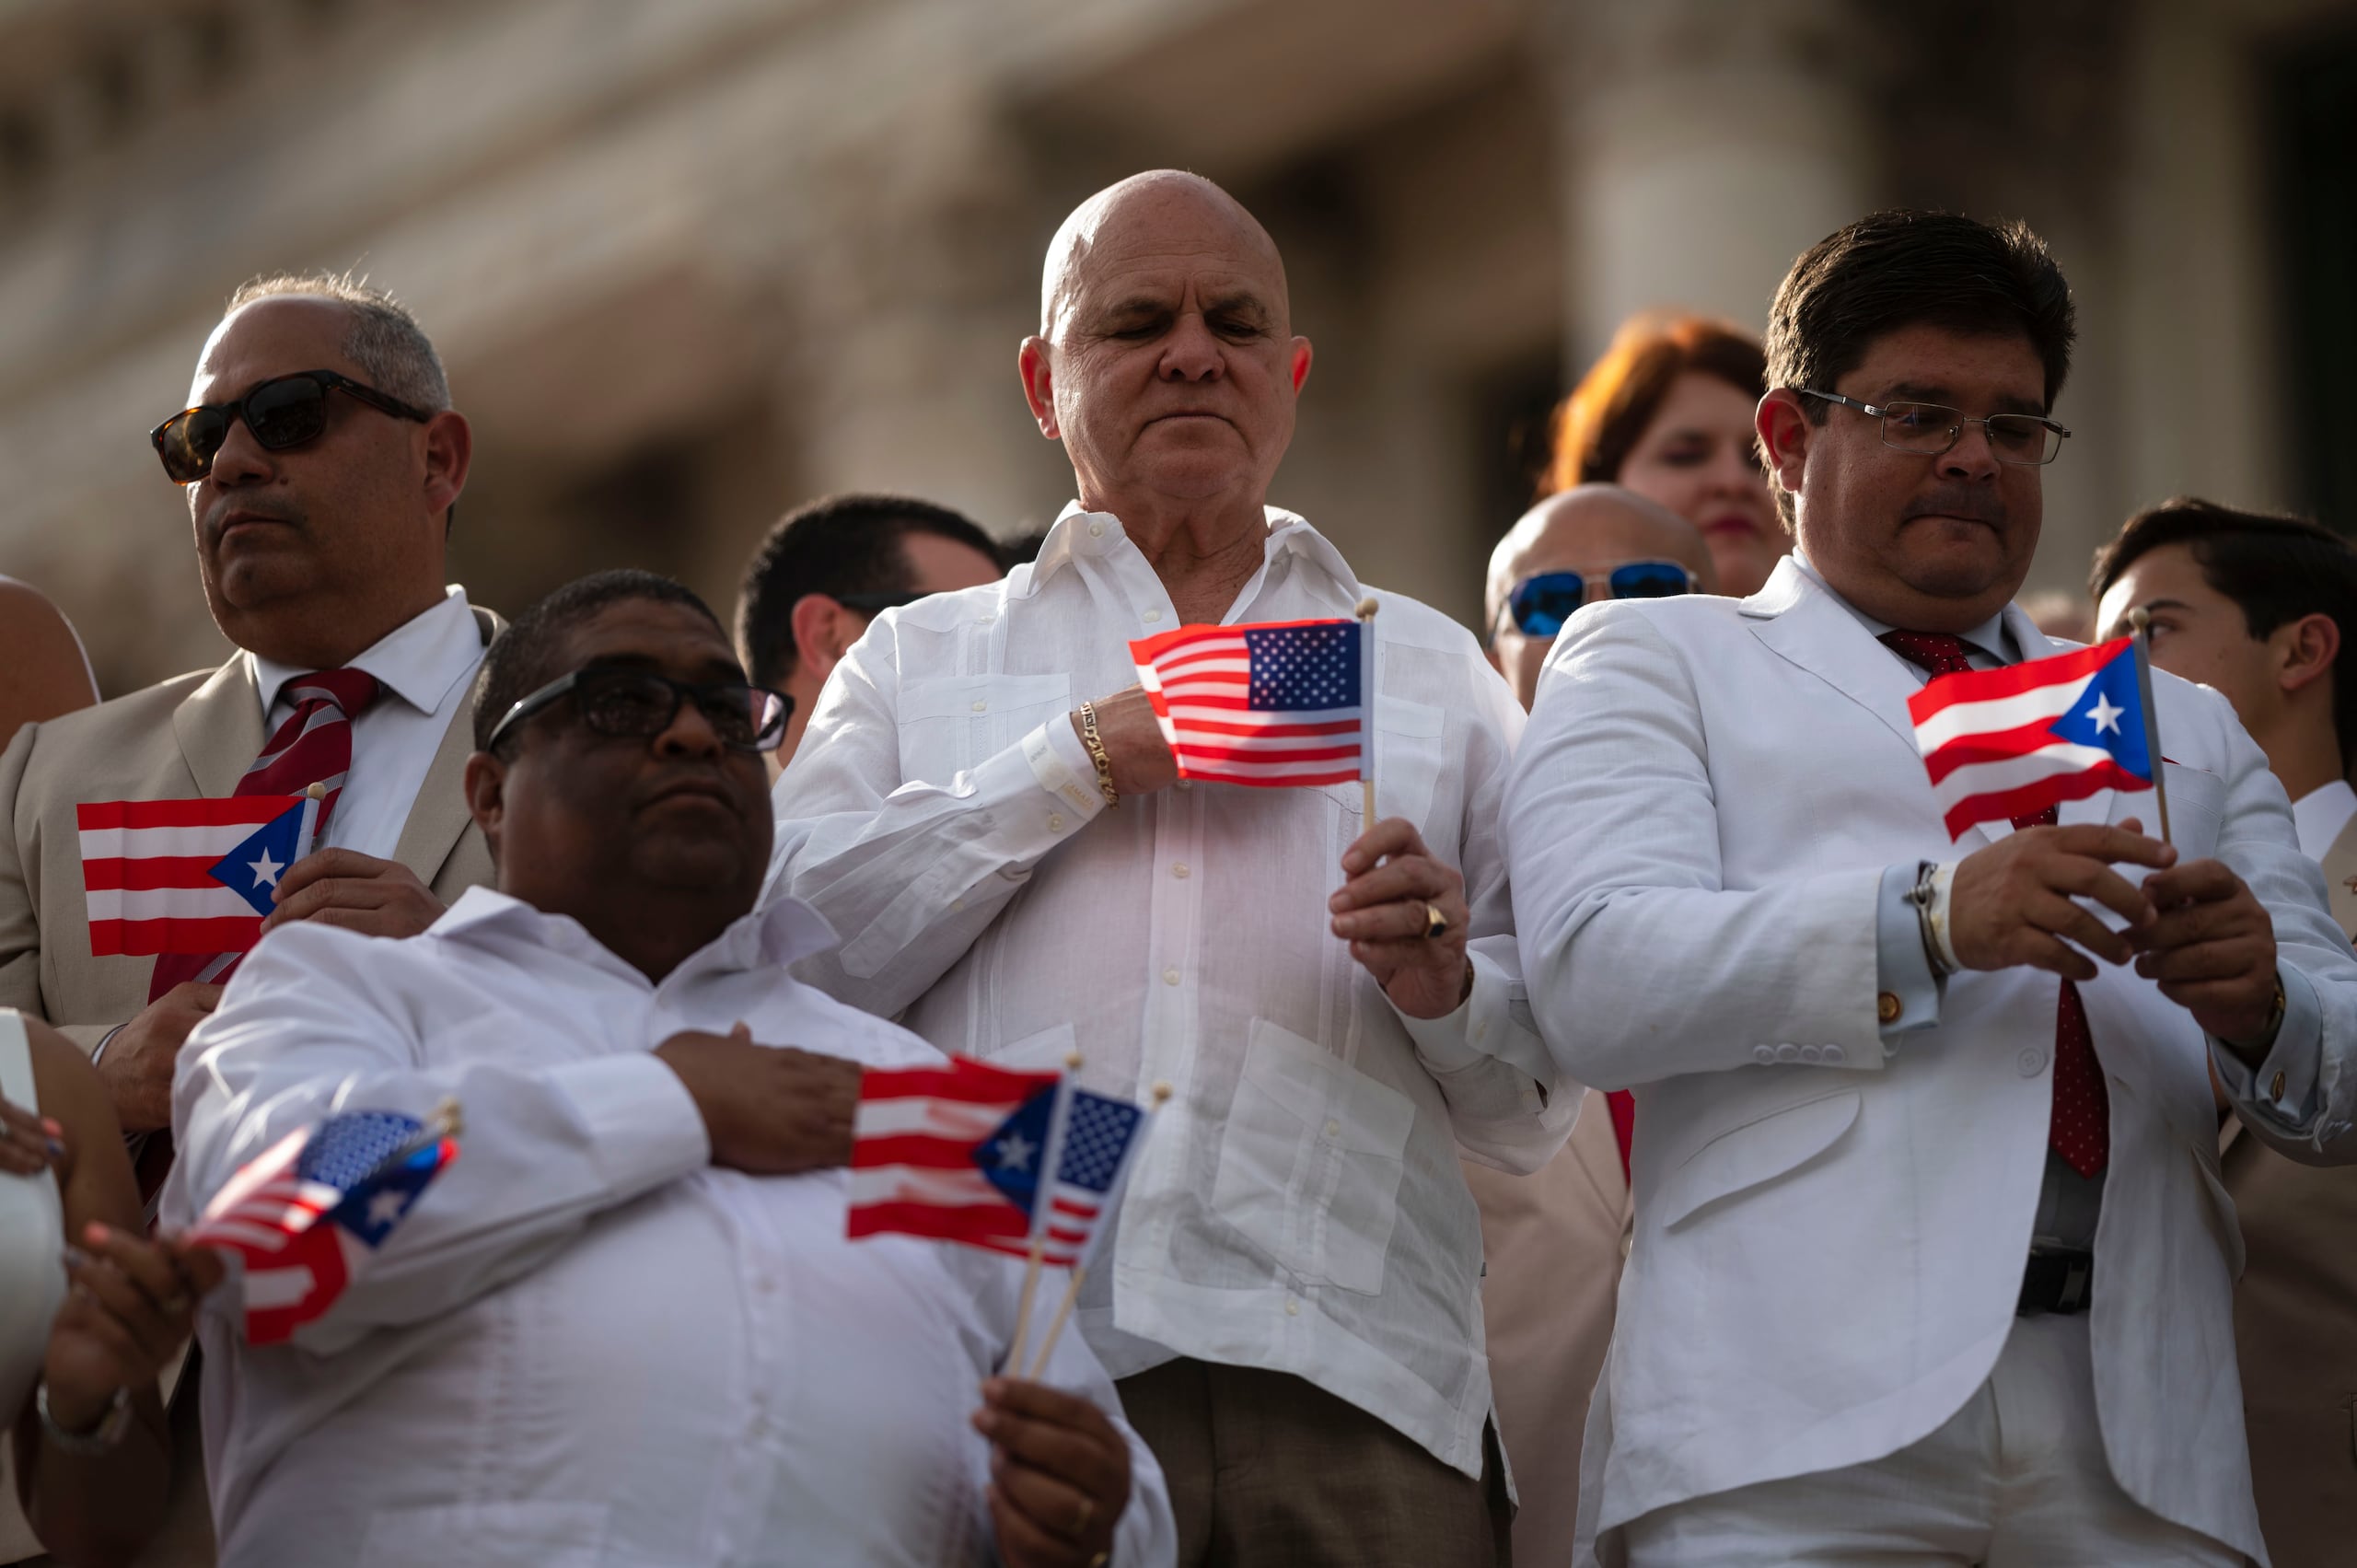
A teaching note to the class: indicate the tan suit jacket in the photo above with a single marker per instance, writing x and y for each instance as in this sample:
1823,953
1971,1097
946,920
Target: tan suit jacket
2295,1323
1551,1246
191,736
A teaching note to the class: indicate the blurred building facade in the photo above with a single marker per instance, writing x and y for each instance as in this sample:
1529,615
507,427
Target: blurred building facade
695,261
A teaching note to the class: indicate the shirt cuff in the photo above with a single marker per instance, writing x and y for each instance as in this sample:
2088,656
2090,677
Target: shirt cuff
642,1123
2281,1090
1469,1037
1902,969
1060,760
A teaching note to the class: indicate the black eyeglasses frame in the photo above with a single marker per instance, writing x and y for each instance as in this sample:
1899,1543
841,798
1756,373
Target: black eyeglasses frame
766,738
327,380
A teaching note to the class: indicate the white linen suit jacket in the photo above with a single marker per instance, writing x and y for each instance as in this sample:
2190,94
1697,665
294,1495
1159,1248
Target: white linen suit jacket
1829,1232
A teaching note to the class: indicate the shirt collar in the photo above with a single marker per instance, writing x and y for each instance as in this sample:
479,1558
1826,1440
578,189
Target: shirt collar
418,661
1990,637
2319,816
1081,532
771,936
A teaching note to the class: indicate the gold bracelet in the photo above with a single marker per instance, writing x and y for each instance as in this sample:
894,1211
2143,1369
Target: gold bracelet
1096,744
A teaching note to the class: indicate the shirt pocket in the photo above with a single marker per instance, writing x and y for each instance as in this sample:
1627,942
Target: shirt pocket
1311,1160
951,724
1407,758
551,1534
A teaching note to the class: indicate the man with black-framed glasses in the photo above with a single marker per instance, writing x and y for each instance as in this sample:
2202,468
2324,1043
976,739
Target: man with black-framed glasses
636,1270
1931,1262
828,568
321,460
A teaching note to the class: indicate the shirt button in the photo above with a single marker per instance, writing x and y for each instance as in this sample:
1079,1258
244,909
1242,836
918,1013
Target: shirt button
1170,977
1810,1053
2275,1089
1178,870
981,707
1887,1007
1096,530
2032,1061
1763,1053
1055,822
1834,1053
1293,1307
1788,1051
1333,1128
1152,615
1186,783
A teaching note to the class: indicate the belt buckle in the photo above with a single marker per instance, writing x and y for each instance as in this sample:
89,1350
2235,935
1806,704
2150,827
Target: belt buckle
2072,1297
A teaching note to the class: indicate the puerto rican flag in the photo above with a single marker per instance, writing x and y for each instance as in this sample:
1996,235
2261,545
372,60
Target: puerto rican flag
307,1215
2007,743
953,1151
188,876
1277,703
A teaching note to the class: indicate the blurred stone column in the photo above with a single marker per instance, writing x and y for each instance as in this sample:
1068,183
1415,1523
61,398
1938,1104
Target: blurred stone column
1706,145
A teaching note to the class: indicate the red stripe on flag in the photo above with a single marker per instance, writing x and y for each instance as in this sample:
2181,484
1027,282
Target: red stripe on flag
971,1224
1274,731
1272,755
1288,781
2003,805
1989,746
1148,650
136,938
148,873
927,1151
963,1079
1209,651
2012,681
229,811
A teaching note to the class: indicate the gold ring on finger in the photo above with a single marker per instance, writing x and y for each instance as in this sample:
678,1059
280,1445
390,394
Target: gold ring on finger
1435,922
1080,1520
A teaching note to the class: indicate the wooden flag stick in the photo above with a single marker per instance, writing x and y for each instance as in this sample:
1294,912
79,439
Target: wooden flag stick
1072,1291
2142,622
1365,612
1038,1245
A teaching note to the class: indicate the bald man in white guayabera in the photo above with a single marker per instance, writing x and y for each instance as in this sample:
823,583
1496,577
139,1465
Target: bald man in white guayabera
1291,1301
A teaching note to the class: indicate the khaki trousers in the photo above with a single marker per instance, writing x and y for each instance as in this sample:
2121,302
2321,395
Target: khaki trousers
1267,1471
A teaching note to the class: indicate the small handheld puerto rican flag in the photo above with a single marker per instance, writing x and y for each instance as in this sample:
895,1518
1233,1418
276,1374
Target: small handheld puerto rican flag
2007,743
188,876
953,1151
1274,704
307,1215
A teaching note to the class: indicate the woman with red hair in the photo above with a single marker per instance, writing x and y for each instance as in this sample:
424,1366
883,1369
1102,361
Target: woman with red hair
1667,413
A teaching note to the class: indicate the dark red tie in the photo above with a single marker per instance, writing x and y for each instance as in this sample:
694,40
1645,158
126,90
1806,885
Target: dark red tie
2080,1129
313,746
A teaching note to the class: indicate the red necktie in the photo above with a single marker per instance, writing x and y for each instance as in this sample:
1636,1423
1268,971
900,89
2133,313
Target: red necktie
2080,1130
314,746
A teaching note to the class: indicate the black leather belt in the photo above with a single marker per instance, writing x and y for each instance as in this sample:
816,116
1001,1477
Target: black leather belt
2059,1283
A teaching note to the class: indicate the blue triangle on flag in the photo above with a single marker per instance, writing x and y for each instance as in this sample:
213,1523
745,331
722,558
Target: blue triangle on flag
252,870
2110,715
1011,1157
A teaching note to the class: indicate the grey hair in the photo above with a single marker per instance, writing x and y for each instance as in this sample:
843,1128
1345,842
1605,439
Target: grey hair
392,350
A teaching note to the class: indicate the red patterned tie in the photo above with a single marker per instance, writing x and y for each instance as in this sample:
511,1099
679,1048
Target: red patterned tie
314,746
2080,1129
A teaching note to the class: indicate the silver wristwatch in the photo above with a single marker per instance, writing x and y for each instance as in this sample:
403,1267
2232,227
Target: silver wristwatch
102,1438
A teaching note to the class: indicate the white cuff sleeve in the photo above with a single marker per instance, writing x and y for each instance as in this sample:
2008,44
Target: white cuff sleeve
1060,760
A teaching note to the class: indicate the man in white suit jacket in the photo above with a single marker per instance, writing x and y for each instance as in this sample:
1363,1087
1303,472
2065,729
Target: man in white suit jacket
1891,1298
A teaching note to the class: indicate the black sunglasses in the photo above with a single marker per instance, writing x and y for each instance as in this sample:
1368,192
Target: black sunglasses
638,705
1542,602
283,412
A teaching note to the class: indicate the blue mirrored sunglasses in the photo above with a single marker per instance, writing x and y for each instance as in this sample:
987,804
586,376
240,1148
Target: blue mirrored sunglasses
1542,602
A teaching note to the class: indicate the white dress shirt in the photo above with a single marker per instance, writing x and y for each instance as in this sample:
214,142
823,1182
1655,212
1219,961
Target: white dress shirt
425,663
2320,815
1298,1207
585,1346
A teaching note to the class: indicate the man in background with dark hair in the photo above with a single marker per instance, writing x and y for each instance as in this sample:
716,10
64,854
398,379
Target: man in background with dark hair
824,571
2264,607
1889,1079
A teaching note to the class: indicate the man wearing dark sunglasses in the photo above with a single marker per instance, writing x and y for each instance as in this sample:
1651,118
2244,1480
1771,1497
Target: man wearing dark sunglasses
1582,546
826,569
321,459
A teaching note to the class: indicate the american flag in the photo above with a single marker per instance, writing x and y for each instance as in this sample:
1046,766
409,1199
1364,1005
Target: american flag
952,1152
187,875
1282,702
307,1215
1100,1137
2005,743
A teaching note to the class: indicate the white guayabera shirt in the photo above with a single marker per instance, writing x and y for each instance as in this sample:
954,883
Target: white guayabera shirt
585,1346
1297,1205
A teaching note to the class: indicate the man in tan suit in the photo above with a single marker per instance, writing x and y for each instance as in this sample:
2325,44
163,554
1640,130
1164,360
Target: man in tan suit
321,464
1551,1242
2264,607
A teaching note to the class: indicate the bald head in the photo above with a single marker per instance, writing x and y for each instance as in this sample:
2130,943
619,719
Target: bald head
1144,214
1589,529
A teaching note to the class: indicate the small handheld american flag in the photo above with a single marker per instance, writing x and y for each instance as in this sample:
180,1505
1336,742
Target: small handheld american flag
1100,1134
305,1217
1278,703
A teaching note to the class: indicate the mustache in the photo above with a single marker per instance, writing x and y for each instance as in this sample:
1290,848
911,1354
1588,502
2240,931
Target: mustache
277,512
1979,503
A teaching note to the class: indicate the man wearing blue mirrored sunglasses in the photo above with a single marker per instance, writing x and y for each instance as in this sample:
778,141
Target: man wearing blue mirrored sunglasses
1593,541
